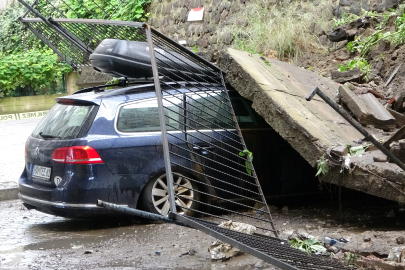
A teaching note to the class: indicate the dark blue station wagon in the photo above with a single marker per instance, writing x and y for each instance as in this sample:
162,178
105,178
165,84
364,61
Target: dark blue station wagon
107,145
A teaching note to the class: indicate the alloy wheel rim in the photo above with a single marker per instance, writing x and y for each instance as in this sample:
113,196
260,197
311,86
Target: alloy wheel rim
182,187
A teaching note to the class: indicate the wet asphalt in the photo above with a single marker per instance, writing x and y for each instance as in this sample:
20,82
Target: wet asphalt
13,135
32,240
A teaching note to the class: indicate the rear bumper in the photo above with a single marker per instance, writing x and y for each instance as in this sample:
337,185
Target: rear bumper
66,209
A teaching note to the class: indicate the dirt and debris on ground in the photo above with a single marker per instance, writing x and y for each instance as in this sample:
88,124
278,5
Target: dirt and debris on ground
32,240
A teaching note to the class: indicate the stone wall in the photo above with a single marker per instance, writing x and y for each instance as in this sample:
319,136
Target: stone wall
210,35
170,18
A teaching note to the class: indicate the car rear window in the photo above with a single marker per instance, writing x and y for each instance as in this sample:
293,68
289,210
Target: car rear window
64,121
143,116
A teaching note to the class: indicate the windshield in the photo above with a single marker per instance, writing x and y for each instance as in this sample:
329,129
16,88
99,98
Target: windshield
62,121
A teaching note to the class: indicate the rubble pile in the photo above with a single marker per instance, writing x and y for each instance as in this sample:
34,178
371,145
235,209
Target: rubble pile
367,60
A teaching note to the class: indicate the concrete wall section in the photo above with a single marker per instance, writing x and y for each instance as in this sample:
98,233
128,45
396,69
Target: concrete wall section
27,104
71,82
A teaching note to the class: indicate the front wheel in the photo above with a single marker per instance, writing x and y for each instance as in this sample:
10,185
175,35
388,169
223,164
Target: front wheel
155,197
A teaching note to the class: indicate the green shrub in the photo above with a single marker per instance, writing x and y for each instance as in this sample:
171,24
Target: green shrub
363,48
36,69
129,10
14,36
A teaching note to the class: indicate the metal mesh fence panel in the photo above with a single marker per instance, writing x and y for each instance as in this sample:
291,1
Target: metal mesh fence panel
206,146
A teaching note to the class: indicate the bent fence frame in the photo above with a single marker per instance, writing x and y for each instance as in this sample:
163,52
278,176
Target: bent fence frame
201,137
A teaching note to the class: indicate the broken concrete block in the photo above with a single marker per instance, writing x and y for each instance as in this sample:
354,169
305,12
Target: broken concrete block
350,86
399,100
341,150
367,109
398,149
347,76
399,118
342,54
399,135
380,157
347,31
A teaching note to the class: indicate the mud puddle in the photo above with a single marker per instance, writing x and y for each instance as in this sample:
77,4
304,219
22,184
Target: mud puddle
66,239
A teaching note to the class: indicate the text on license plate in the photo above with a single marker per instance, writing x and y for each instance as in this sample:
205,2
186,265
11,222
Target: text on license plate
42,172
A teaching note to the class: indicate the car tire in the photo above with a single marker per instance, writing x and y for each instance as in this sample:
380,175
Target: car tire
155,195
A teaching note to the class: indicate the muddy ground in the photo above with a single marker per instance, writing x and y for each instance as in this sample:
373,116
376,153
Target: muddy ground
32,240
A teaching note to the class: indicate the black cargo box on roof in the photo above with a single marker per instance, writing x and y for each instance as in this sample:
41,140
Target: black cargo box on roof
122,58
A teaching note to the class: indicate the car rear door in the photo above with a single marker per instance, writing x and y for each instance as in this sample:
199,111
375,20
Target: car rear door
208,115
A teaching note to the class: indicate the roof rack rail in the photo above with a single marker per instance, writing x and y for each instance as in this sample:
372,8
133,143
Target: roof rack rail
122,82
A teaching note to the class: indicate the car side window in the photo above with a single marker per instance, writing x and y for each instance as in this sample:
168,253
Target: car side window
208,111
243,113
143,116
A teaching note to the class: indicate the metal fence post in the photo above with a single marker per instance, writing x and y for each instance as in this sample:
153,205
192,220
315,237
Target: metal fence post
165,142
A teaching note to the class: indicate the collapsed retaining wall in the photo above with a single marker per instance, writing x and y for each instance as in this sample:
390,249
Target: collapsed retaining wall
278,92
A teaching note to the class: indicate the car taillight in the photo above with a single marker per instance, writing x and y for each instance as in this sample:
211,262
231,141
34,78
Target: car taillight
59,155
77,155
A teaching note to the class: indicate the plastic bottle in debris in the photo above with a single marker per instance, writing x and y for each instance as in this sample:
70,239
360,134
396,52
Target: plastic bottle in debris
333,242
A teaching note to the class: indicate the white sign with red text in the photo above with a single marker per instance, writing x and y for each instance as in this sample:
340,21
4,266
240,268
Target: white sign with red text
196,14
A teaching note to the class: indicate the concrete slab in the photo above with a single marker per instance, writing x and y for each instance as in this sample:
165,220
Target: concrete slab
367,109
278,92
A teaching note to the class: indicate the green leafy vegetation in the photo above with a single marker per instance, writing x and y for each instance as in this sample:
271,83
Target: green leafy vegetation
27,63
195,49
351,259
14,36
267,62
249,156
35,69
363,48
322,166
358,151
358,62
345,19
310,245
134,10
397,37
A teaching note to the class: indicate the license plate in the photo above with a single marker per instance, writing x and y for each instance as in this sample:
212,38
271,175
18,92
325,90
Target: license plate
43,173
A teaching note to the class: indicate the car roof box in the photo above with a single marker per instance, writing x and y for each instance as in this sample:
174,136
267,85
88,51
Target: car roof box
131,59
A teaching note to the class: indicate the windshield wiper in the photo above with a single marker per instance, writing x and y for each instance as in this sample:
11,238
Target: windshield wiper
47,136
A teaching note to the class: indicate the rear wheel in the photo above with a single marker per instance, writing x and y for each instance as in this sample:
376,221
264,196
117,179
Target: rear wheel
155,197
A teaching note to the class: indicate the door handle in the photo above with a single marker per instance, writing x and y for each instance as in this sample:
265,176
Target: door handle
203,149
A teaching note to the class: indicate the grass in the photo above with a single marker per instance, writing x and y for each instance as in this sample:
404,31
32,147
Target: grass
287,30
